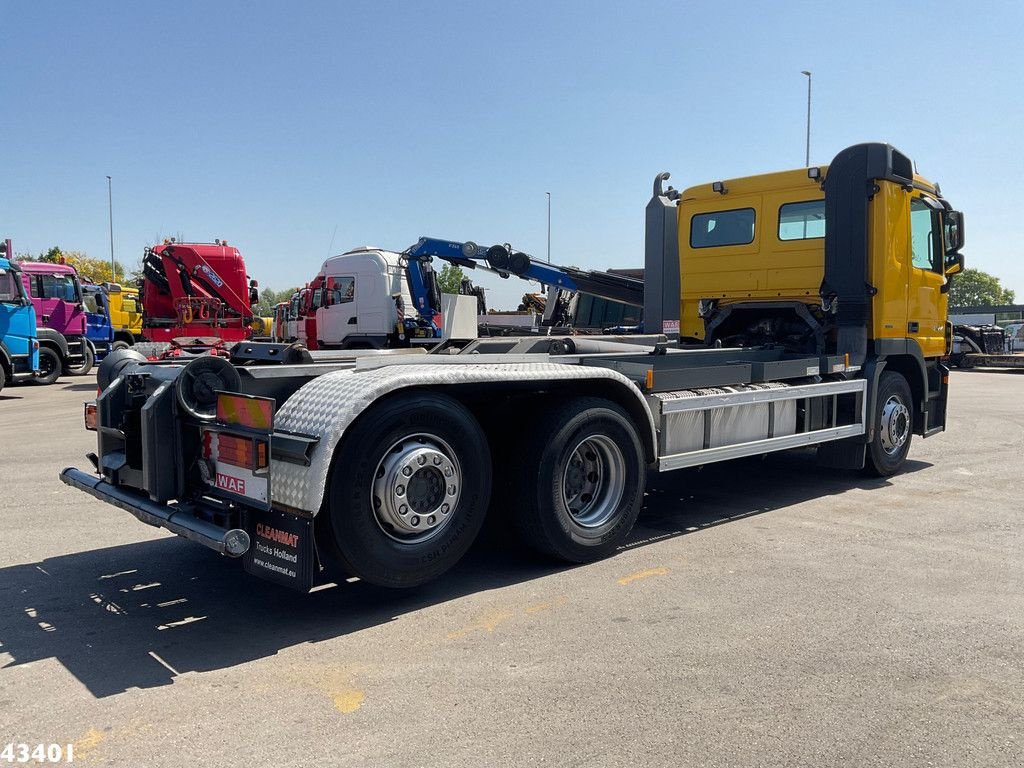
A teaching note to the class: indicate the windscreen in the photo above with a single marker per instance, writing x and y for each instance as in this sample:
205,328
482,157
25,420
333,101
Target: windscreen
57,286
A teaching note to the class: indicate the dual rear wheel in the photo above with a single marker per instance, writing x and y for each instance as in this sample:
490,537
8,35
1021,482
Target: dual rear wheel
411,485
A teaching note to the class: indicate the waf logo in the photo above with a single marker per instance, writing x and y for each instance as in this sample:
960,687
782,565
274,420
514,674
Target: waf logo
231,484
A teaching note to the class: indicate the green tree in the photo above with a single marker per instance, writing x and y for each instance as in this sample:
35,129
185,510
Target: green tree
450,279
974,288
269,298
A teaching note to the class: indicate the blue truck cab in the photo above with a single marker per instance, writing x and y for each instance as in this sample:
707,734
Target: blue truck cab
99,331
19,347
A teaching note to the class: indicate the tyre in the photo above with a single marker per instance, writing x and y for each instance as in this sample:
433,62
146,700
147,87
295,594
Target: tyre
894,425
3,377
408,490
580,481
88,360
119,345
50,366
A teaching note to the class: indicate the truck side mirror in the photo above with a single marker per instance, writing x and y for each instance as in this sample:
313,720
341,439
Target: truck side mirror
954,231
954,264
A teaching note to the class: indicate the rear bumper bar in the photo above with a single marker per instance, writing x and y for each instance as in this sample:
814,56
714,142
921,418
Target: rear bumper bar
233,542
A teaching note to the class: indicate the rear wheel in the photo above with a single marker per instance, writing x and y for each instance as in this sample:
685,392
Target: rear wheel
580,483
50,367
3,377
894,425
408,491
88,360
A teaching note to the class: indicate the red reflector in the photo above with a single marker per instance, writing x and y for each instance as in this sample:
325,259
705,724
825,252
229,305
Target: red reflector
234,450
245,411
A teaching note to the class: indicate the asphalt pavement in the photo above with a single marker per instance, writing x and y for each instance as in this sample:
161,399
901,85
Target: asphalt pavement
765,613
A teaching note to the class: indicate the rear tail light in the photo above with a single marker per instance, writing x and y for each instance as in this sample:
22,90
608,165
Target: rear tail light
90,416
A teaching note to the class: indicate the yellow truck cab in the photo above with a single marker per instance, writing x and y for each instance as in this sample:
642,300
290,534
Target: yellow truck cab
125,313
761,239
854,258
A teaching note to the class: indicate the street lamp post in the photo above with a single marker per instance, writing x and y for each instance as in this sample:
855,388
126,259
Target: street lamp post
807,155
549,226
110,208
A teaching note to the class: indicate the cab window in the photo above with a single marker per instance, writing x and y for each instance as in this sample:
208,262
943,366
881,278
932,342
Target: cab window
342,290
925,236
802,221
9,288
55,286
709,230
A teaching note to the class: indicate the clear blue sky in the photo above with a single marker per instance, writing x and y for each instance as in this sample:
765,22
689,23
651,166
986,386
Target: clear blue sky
271,123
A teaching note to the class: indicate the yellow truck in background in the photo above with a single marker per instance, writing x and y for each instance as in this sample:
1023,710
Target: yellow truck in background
125,313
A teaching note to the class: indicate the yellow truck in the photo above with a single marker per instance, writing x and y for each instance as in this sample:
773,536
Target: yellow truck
125,313
752,257
812,311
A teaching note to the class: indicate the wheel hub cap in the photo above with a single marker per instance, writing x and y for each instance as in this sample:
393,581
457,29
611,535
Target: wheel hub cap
895,426
593,481
416,488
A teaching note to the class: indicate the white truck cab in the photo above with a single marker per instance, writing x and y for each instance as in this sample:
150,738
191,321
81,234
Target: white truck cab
357,306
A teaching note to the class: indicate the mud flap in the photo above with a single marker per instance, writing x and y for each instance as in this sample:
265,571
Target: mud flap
843,454
282,549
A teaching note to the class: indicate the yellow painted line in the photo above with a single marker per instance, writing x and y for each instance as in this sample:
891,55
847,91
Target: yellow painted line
88,742
659,571
349,700
538,607
487,623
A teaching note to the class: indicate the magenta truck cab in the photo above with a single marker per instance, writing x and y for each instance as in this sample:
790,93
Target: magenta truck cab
60,315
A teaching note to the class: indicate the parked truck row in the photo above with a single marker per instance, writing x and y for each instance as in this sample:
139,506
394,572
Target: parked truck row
79,322
810,307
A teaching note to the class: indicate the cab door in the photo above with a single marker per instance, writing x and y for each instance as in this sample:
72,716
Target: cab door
342,309
926,301
310,329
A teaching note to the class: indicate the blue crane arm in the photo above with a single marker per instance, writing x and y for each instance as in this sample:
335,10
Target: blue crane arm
500,259
504,261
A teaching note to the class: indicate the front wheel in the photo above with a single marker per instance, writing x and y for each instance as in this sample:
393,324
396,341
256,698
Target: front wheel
894,425
88,360
50,367
408,490
581,481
